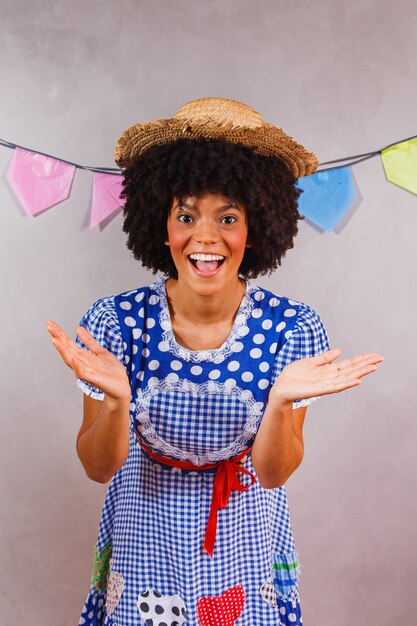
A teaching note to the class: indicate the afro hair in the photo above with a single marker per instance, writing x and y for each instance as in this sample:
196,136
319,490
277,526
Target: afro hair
190,167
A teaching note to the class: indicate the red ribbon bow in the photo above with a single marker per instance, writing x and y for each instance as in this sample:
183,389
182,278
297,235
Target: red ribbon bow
225,481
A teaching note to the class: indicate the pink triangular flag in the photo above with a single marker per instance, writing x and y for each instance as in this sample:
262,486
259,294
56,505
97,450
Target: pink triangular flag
39,181
106,196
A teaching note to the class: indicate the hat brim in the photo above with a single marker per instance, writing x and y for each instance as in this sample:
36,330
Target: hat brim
267,140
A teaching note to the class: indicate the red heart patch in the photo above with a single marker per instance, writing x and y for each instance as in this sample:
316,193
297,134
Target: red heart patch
221,610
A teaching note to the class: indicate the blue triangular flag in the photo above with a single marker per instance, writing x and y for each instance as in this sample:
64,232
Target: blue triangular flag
327,196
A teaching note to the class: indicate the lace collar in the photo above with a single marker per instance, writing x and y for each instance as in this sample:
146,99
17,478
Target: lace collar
217,355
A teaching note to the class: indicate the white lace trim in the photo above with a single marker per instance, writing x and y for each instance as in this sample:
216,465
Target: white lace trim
297,404
86,388
148,432
239,328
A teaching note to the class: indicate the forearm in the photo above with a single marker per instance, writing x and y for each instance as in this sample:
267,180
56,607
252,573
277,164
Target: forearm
276,451
104,446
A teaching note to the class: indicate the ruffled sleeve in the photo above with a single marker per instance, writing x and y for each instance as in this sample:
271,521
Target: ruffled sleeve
102,322
308,338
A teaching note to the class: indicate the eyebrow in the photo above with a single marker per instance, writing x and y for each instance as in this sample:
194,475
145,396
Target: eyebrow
230,205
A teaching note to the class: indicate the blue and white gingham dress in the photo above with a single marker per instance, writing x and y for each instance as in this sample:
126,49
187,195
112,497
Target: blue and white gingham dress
150,567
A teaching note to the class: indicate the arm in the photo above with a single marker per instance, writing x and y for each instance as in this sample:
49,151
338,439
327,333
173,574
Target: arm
279,449
103,439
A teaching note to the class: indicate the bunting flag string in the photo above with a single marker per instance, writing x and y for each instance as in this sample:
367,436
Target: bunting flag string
41,181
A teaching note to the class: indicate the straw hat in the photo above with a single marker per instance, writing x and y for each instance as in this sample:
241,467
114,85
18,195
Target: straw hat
217,118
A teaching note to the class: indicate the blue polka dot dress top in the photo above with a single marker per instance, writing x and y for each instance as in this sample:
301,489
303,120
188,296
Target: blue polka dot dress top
200,407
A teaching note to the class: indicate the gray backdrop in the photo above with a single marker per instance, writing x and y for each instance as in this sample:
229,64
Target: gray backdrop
340,77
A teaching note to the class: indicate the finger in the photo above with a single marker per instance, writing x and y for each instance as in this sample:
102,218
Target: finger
86,337
73,359
348,377
344,386
354,366
89,341
326,357
351,378
363,370
365,358
63,350
361,360
57,332
54,329
375,358
64,340
51,323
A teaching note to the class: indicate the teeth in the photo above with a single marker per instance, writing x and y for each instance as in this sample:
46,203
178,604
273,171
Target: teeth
206,257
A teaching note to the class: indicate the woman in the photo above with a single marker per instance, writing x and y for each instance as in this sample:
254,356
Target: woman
196,386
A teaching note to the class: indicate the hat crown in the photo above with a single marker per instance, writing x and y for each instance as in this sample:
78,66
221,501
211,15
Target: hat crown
221,110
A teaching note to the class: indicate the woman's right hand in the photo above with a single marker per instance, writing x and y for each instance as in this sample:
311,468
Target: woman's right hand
96,366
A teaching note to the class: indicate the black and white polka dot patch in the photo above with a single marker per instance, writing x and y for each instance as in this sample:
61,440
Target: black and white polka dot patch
158,610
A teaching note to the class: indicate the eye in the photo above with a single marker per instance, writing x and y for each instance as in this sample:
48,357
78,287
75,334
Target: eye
188,219
231,219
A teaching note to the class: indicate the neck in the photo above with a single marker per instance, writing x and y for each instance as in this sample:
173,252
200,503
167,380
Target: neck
204,309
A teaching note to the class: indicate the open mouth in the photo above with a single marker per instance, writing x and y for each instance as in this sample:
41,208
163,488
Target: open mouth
206,263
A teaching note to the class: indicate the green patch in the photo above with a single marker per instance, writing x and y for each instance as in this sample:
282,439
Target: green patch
101,567
286,566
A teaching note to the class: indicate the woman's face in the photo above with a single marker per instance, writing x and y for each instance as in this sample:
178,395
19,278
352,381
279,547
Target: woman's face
210,224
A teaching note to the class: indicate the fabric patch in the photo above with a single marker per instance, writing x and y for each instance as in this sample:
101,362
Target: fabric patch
158,610
115,587
290,613
268,592
286,572
92,612
221,610
289,610
101,566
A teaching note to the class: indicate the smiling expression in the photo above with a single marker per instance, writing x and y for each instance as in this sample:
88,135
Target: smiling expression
210,224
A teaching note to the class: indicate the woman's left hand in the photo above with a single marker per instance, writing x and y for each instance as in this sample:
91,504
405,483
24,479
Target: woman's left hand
318,375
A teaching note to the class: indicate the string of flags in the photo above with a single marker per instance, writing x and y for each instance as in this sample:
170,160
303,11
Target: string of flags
41,181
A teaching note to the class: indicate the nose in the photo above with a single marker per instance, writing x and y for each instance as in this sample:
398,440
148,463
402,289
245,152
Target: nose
206,232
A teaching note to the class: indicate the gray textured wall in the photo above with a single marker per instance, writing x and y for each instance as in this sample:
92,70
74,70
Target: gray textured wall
340,77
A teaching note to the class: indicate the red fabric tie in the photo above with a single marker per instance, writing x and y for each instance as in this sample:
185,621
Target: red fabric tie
225,481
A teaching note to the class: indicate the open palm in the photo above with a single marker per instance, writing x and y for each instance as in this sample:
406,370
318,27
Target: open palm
318,375
96,365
